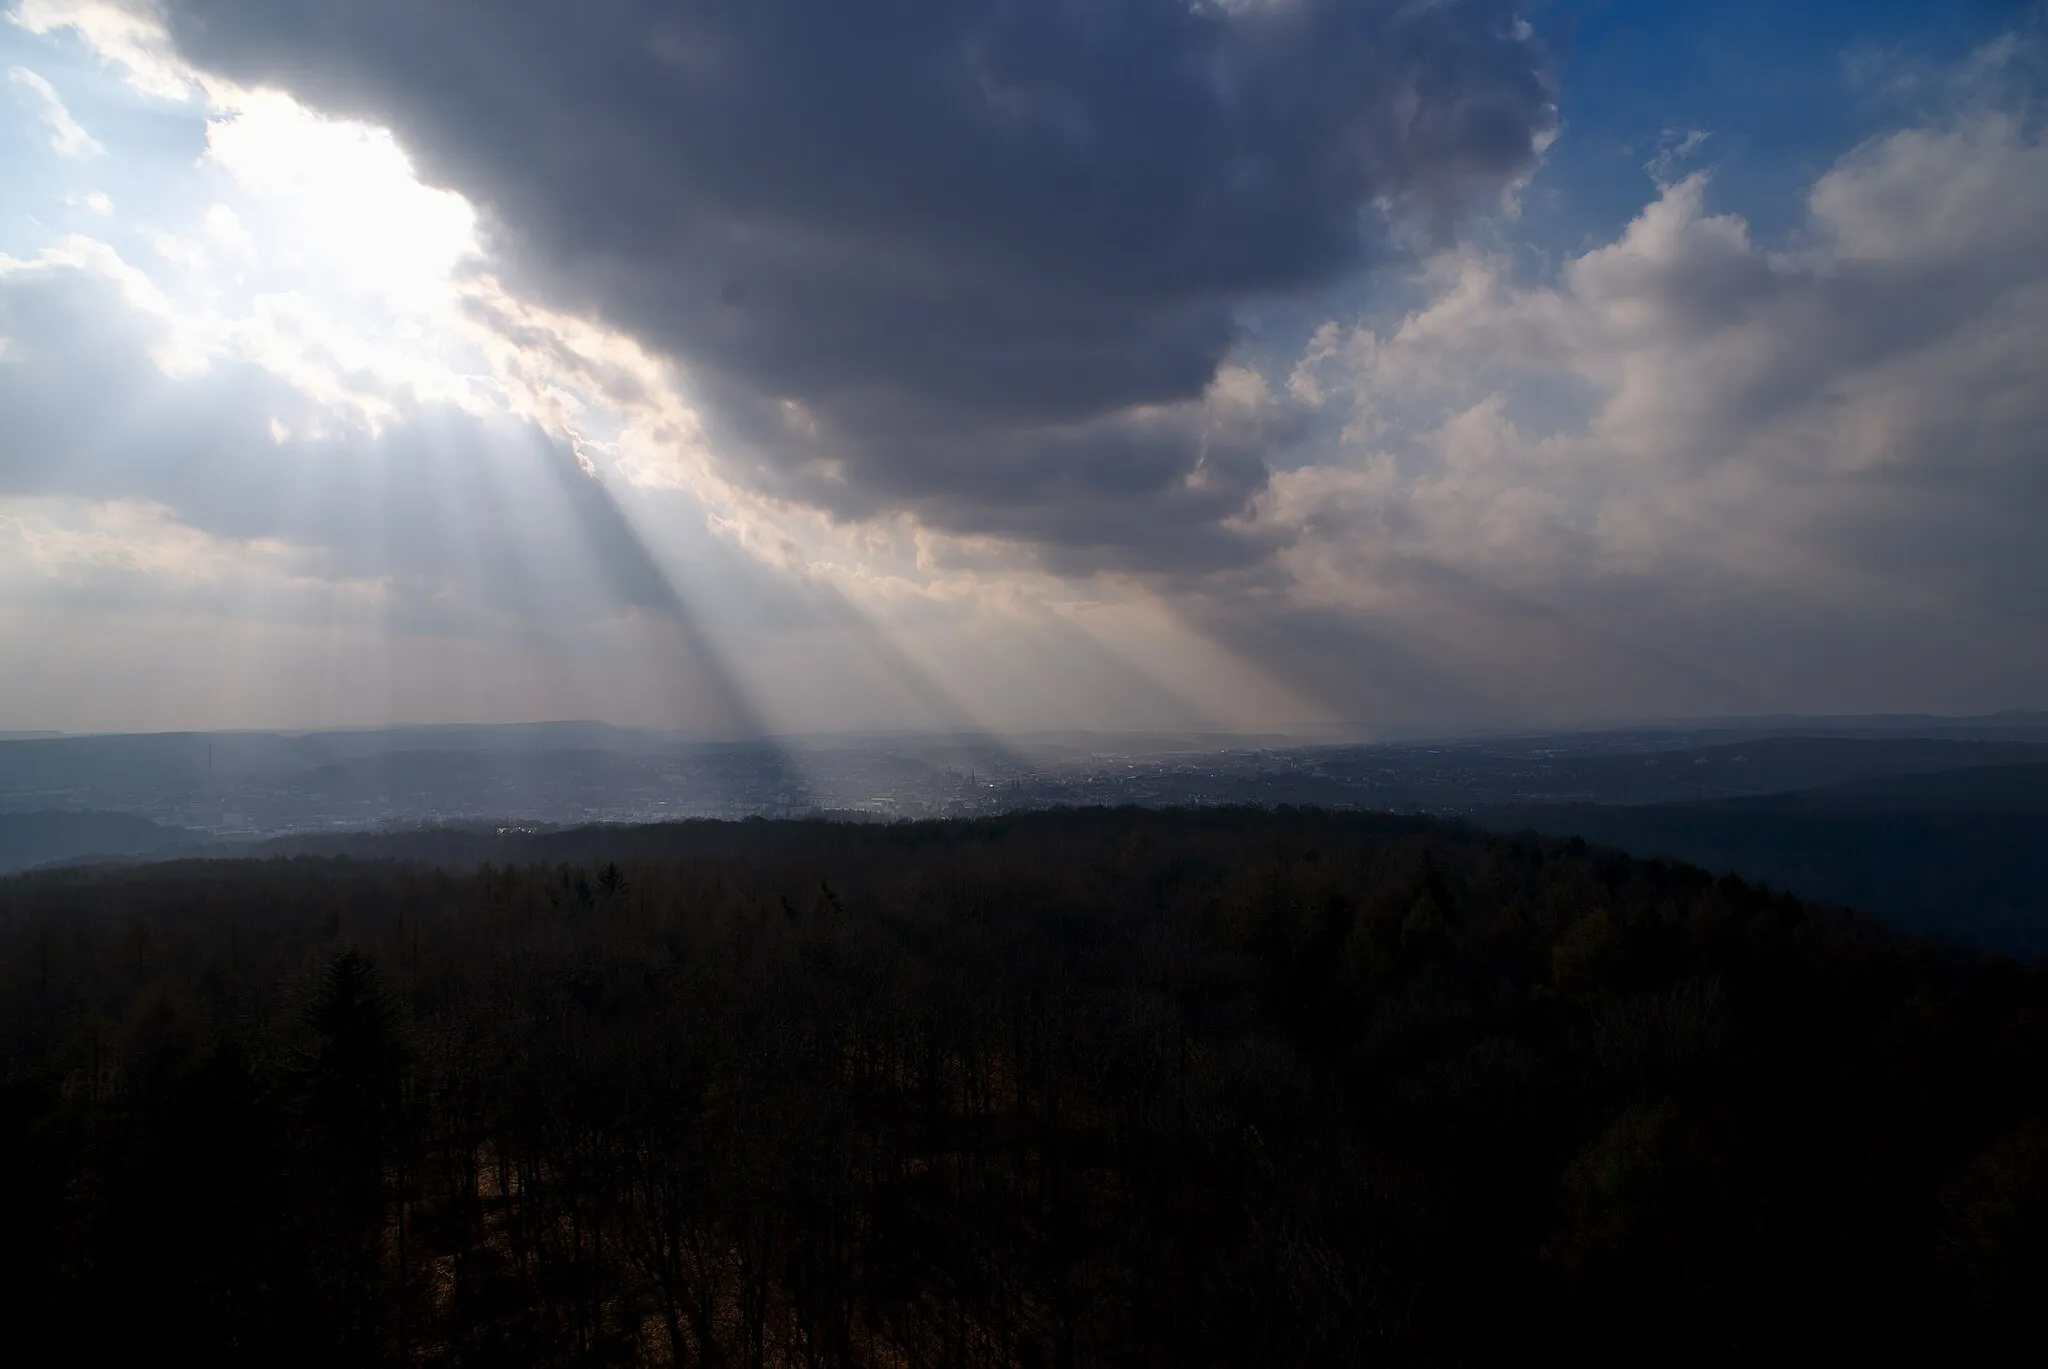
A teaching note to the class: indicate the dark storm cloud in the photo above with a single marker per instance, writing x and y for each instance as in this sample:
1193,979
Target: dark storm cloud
963,239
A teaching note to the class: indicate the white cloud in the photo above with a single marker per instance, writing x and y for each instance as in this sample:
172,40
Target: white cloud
1779,460
224,226
85,544
1675,151
66,137
129,34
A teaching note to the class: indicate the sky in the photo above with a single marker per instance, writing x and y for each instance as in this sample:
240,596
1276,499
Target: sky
1319,366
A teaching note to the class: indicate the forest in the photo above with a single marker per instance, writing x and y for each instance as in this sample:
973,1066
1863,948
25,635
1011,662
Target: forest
1106,1087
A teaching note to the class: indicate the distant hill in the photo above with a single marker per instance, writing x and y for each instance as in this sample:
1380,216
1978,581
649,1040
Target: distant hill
31,839
1772,765
56,761
1961,854
2010,725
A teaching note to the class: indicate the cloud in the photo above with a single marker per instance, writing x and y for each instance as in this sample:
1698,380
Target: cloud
470,522
128,33
1674,151
248,479
980,261
151,523
1817,467
964,327
66,137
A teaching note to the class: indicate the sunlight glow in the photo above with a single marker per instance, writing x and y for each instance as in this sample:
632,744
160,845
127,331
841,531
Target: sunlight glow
353,199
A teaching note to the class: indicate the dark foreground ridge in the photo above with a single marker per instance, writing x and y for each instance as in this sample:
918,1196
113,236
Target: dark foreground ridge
1075,1088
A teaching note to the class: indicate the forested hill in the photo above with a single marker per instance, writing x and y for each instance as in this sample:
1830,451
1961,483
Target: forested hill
1071,1088
1955,854
29,839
